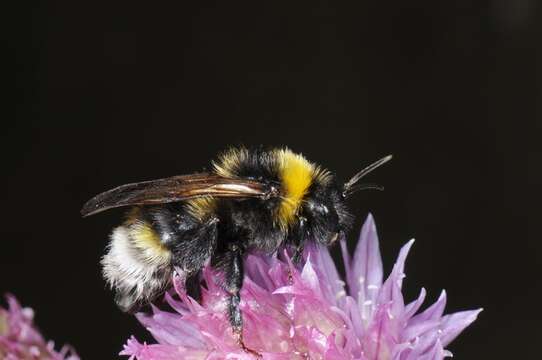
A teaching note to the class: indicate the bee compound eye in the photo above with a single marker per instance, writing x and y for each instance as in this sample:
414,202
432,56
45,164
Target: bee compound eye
319,209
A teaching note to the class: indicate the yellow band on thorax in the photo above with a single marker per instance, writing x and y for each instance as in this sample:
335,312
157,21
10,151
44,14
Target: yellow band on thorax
296,175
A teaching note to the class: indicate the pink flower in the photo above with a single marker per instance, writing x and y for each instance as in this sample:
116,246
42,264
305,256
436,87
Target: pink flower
306,313
20,340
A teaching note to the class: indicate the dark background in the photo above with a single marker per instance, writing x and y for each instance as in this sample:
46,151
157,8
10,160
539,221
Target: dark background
102,94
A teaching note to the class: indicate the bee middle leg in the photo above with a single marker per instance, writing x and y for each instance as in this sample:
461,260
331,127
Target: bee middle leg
231,263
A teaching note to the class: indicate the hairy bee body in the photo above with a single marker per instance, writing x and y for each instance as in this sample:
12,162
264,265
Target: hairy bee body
185,235
255,200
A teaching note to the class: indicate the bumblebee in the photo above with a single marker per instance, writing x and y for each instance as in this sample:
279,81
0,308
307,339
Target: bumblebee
251,200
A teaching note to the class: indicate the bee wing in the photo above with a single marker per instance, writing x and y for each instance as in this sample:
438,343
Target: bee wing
176,188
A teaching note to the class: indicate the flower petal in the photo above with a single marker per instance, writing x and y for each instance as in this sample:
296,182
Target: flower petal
454,324
366,269
433,312
330,282
414,306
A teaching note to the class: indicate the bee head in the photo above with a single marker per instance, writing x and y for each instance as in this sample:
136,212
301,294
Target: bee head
324,216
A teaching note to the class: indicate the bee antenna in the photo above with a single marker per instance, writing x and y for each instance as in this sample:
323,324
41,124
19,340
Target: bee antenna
349,186
360,187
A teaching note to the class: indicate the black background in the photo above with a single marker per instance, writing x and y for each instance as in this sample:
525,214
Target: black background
109,93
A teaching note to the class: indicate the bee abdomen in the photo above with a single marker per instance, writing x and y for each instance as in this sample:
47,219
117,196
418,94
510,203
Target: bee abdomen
137,265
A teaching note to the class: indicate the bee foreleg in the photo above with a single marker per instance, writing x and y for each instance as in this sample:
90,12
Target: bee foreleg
296,259
298,240
298,253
